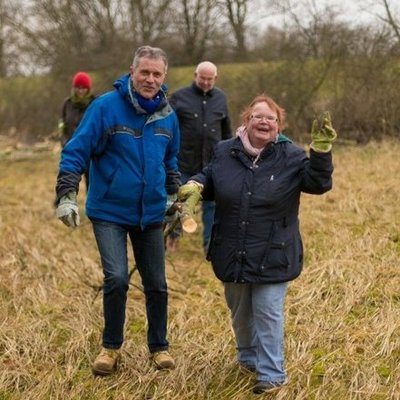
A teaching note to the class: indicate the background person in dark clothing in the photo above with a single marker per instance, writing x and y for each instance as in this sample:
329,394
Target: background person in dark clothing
74,107
256,180
203,120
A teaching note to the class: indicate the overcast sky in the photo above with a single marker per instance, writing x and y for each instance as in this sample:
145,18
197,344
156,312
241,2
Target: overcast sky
351,11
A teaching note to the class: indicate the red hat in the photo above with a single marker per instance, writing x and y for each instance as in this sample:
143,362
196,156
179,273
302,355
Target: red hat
82,79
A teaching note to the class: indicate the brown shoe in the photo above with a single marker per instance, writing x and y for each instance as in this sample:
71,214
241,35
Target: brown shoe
106,362
162,360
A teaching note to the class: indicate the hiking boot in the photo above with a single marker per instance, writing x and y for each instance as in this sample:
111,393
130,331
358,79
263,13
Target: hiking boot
267,387
162,360
106,362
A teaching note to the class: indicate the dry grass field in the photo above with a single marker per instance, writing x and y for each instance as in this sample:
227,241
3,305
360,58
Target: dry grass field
343,313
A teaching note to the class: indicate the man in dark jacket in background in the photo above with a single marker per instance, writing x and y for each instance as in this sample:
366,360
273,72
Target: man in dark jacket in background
203,120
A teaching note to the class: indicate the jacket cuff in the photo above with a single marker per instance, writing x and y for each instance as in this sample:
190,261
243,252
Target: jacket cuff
66,182
173,181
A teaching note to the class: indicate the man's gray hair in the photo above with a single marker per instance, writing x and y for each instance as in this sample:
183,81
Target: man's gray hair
149,52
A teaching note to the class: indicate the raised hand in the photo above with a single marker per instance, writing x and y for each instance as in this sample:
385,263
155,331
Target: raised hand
323,135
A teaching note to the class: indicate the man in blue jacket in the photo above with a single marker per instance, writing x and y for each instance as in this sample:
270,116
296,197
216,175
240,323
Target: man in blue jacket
131,137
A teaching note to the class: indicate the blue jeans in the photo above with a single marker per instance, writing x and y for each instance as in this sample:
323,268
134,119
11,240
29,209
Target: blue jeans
257,312
148,249
208,210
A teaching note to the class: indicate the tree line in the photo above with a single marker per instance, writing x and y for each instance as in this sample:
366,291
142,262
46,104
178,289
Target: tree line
316,57
63,35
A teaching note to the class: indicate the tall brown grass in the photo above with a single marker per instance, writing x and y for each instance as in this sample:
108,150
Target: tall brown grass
343,313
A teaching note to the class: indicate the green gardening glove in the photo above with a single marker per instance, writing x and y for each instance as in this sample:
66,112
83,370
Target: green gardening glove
188,189
67,210
323,137
190,193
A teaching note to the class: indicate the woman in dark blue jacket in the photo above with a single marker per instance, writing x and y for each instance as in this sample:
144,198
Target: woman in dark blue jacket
256,180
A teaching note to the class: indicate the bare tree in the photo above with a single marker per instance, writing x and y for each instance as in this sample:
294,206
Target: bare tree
309,46
67,34
9,58
390,18
236,13
150,19
196,20
3,16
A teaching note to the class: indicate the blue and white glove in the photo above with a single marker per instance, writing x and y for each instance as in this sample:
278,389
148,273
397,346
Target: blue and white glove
67,210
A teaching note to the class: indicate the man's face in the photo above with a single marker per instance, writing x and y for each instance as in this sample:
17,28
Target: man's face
148,76
205,79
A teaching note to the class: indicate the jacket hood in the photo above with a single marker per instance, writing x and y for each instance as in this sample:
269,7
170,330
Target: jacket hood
283,138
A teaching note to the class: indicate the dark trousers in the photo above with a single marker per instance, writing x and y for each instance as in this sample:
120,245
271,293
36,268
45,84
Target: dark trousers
148,248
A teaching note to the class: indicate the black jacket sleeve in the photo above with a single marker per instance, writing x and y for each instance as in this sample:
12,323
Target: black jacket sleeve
317,173
66,182
173,181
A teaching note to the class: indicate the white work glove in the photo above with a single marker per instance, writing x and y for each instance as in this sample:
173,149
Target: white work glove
67,210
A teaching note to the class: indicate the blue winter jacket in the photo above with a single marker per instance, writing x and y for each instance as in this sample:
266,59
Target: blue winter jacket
132,157
256,236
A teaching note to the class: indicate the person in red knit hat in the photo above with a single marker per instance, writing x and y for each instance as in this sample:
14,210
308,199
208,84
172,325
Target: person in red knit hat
82,80
74,107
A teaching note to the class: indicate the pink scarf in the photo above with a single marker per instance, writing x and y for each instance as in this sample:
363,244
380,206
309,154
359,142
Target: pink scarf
242,133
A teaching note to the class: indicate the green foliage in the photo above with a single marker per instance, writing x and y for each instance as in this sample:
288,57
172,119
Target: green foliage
361,95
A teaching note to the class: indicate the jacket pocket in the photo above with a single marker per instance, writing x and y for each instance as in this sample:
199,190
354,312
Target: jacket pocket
283,259
277,257
279,253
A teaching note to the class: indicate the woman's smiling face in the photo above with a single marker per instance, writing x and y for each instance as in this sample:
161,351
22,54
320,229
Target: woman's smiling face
263,125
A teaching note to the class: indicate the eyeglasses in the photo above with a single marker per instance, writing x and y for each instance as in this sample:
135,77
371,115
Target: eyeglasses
268,118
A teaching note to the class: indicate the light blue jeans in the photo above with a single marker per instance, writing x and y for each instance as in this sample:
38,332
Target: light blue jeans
257,312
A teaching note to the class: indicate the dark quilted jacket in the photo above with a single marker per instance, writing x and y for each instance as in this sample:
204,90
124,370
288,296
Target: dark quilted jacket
256,236
203,121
